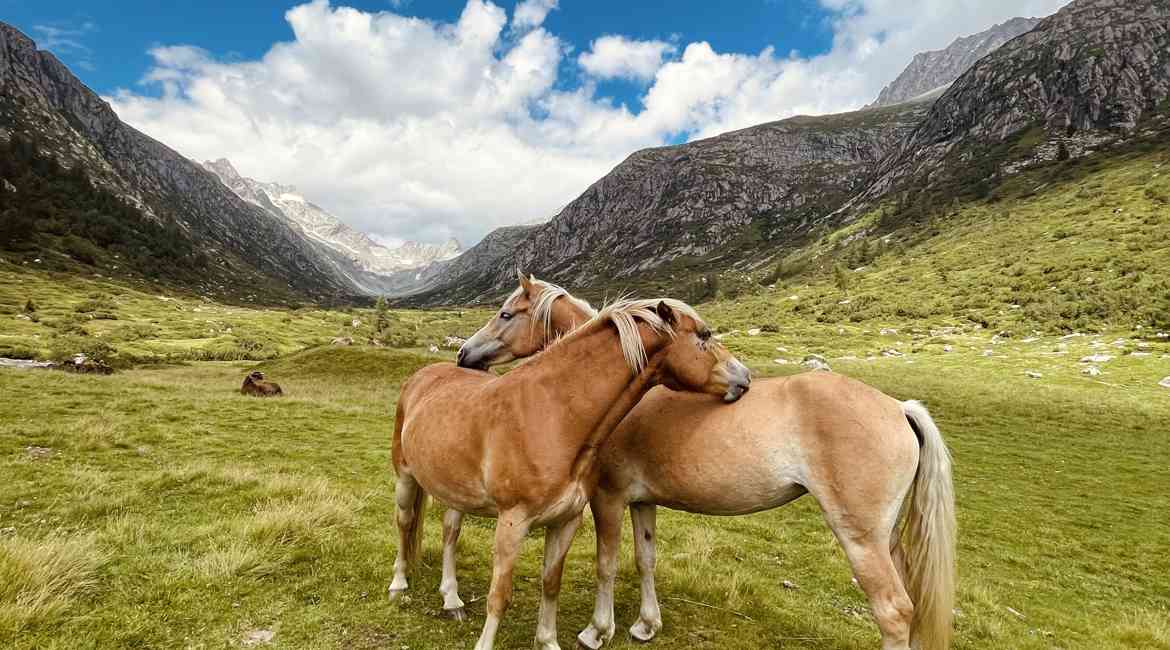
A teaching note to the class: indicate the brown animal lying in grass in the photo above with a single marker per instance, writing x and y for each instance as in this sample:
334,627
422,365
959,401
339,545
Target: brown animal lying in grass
254,384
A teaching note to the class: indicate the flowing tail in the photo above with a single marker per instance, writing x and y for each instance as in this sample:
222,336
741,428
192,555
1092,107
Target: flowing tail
929,534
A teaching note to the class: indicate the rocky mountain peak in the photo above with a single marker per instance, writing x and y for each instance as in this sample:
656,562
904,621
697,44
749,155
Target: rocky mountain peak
932,70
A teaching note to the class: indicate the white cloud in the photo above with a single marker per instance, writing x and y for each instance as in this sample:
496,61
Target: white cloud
413,129
531,13
612,57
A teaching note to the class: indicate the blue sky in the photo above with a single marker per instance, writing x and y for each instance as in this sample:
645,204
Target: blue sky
429,119
106,42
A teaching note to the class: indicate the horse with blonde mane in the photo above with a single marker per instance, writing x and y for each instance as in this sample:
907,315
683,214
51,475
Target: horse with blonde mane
864,456
523,447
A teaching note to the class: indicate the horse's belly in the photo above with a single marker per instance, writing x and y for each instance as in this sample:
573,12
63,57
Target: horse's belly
722,484
720,499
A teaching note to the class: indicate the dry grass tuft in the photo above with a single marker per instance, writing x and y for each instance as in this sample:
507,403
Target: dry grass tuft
40,580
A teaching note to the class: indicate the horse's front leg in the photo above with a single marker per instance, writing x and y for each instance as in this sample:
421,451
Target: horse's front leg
650,616
607,519
511,528
557,541
449,586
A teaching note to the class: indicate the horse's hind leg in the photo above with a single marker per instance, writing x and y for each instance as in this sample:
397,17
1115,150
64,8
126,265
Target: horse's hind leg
449,587
879,578
645,538
409,500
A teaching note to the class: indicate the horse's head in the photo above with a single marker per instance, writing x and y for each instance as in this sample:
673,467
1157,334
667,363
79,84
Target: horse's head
256,375
668,339
535,314
693,360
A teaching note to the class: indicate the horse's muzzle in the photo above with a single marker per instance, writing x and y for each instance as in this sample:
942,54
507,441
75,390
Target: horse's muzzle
738,382
466,360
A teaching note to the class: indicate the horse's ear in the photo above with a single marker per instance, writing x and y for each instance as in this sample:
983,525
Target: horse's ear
525,281
666,313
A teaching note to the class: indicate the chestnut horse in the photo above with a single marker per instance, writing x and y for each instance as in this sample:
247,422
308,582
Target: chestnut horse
861,454
523,447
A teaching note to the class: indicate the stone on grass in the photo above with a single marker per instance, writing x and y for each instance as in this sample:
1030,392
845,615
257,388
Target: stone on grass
892,353
989,353
1165,383
1091,371
258,637
780,362
1096,358
815,362
1033,374
433,349
755,331
343,340
948,348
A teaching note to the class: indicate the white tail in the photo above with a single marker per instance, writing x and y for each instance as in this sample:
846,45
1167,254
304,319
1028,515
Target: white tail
930,537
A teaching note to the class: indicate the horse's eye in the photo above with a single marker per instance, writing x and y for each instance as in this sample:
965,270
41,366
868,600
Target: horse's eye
704,335
506,315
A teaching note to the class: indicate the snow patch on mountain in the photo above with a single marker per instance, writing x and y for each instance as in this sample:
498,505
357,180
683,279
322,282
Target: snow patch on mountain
285,202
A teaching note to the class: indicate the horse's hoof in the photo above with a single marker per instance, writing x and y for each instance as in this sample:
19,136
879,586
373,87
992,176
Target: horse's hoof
456,614
583,645
395,594
643,632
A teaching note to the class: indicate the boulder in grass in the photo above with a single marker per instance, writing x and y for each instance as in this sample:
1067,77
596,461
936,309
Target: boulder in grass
1165,383
1091,371
815,362
1096,358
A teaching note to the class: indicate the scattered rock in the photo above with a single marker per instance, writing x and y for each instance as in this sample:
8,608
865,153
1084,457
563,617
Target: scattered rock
755,331
433,349
891,353
1030,339
85,365
815,362
794,297
1033,374
948,348
343,340
1070,336
24,364
8,187
989,353
39,453
781,348
1165,383
454,342
1091,371
1096,358
258,637
780,362
788,584
1139,354
357,322
887,331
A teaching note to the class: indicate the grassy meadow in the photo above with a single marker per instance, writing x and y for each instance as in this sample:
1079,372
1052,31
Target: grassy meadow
157,507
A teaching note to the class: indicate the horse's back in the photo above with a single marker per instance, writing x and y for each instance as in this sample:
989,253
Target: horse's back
692,453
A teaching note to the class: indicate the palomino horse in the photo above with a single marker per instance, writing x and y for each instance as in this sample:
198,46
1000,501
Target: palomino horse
523,447
861,454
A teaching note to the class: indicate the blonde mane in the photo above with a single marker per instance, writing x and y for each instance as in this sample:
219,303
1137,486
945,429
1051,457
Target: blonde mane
625,314
543,305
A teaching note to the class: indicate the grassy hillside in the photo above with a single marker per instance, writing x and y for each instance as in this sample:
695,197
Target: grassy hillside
50,315
1079,245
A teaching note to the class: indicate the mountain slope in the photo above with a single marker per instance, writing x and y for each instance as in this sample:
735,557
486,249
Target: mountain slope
1091,75
249,252
369,256
691,204
931,70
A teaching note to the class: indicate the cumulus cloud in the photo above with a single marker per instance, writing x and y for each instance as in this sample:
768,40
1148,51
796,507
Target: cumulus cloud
415,129
531,13
612,57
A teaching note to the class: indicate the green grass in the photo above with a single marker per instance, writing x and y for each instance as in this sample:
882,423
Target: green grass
158,507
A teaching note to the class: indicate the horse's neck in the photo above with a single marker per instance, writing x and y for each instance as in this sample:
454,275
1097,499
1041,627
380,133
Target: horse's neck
591,380
567,315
